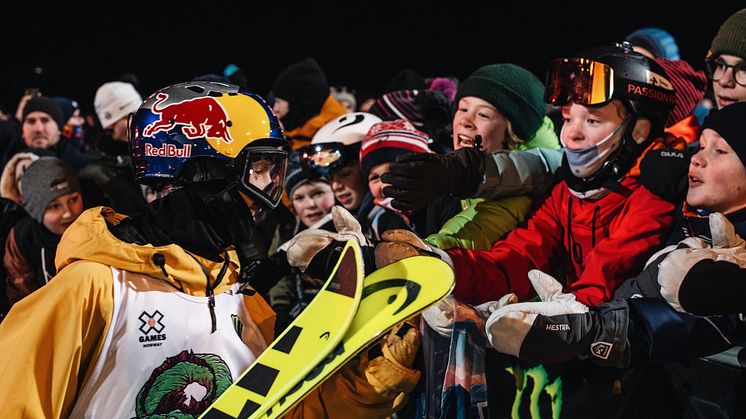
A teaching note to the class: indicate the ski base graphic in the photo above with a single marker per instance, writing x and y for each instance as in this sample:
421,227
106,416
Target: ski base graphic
391,295
306,342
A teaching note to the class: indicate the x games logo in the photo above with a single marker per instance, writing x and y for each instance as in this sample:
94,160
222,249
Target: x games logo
151,322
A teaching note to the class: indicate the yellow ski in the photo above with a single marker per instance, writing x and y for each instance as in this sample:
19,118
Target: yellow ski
390,296
306,342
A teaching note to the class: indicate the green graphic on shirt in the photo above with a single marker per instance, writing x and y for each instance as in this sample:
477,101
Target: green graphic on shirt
183,386
237,325
541,384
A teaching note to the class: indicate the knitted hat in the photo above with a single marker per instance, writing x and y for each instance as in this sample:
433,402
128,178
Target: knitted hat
46,105
114,101
728,123
302,84
659,42
513,90
44,180
689,86
406,79
68,107
296,176
386,140
398,105
731,37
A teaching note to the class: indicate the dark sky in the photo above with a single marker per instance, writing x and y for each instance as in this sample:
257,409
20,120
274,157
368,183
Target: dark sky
361,44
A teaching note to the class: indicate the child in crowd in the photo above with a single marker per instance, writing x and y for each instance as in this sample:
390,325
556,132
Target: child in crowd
51,196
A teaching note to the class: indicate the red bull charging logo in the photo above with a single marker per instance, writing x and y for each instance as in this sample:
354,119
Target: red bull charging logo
199,117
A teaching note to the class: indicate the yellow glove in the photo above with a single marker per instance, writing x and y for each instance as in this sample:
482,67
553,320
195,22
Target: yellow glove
391,374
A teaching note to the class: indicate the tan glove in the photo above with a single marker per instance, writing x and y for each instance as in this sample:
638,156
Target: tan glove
306,244
391,374
674,270
400,244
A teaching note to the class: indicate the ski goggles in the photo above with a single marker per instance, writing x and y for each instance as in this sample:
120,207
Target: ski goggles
578,80
263,174
324,158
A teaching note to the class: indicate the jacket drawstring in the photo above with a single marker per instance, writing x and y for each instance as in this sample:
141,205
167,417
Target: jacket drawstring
576,250
593,226
159,260
47,277
210,287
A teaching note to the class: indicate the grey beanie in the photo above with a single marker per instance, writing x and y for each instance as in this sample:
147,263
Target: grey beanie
44,180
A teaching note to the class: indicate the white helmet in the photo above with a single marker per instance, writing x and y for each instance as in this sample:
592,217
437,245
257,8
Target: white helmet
348,129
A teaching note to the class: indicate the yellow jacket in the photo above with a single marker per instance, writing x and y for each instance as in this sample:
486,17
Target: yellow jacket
51,339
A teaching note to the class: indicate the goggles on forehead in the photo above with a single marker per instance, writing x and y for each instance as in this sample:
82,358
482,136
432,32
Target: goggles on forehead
324,158
578,80
263,174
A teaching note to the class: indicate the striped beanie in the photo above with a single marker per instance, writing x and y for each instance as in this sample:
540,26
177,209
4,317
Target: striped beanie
688,84
398,105
388,139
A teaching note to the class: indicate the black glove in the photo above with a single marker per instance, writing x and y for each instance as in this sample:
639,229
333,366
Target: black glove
415,179
664,172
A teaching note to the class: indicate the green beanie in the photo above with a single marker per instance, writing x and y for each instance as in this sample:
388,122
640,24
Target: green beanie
731,38
513,90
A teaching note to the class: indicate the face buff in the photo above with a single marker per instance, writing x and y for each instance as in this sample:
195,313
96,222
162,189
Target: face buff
587,161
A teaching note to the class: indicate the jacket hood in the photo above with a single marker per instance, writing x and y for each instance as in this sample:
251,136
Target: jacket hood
89,238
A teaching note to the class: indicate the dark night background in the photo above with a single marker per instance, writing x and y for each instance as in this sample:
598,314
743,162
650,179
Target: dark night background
359,44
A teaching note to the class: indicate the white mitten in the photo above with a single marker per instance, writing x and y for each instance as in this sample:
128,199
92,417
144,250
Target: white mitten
306,244
508,326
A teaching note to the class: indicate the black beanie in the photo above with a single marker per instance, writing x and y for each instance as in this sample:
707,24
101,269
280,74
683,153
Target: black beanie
728,122
46,105
302,84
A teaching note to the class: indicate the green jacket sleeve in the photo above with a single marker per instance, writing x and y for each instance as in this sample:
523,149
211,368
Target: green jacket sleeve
481,223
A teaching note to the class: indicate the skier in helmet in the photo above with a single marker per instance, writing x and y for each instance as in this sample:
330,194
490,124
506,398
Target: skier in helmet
151,308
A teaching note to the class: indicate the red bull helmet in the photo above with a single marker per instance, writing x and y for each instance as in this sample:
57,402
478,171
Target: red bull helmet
213,122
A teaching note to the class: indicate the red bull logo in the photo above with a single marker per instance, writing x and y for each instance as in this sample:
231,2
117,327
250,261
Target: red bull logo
168,150
199,117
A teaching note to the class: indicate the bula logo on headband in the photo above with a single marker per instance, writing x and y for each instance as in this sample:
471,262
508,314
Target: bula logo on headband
168,150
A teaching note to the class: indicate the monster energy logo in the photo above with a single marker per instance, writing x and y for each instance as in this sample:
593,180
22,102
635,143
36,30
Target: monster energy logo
541,385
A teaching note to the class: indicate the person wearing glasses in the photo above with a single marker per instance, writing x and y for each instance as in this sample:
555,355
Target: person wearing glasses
725,61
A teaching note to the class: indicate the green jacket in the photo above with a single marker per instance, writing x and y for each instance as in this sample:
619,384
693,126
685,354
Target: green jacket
482,222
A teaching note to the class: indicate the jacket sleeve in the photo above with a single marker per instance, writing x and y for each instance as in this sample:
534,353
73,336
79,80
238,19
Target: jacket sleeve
483,276
658,333
481,224
49,340
21,278
643,226
513,173
349,393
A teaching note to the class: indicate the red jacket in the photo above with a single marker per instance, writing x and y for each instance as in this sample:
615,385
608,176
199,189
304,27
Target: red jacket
611,237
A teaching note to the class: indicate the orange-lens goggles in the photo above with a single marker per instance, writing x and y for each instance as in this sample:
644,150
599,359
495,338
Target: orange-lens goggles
580,81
